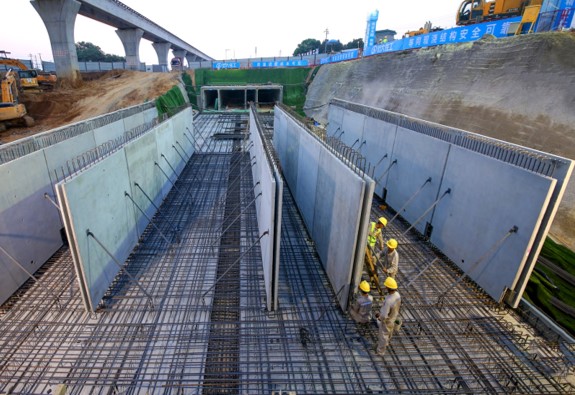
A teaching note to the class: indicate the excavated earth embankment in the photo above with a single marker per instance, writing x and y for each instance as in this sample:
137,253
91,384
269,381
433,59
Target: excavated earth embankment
519,89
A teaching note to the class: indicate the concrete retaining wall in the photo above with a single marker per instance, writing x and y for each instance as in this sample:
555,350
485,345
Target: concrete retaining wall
96,200
464,191
269,209
331,197
30,225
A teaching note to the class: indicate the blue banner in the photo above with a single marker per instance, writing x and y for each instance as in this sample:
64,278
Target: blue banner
450,36
370,29
225,65
280,63
347,55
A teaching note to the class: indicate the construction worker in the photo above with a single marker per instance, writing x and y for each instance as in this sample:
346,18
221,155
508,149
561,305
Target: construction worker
360,310
374,236
388,315
390,262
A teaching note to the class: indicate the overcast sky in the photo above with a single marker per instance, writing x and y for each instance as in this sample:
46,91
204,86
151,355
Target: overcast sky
228,29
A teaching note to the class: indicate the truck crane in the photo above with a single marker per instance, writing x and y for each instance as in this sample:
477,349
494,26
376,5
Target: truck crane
477,11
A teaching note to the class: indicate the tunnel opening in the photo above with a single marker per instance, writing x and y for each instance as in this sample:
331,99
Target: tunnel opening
221,98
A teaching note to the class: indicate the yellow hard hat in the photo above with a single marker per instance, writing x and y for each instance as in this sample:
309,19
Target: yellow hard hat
383,221
390,283
364,286
392,243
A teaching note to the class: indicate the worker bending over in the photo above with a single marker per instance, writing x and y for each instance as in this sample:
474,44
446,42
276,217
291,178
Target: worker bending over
390,261
360,310
388,315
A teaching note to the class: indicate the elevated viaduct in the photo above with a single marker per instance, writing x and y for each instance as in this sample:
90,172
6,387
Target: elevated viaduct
59,16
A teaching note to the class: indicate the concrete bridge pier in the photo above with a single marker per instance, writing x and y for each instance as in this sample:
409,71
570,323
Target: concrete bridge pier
181,53
131,40
190,57
59,16
162,50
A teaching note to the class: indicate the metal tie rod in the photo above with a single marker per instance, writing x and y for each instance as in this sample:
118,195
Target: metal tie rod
386,171
498,244
32,276
121,267
428,210
149,219
49,198
409,200
237,216
168,178
156,207
233,264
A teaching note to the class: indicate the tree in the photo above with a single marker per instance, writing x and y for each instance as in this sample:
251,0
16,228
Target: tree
354,44
307,45
330,46
88,52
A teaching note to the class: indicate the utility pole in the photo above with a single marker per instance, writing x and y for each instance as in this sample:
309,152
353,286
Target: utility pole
326,32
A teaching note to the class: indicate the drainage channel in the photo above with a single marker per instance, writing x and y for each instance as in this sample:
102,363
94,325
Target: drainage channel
222,362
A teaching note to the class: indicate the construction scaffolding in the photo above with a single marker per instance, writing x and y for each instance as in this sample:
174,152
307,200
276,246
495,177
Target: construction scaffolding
188,315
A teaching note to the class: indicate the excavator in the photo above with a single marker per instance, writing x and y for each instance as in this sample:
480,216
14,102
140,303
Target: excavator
30,79
477,11
12,112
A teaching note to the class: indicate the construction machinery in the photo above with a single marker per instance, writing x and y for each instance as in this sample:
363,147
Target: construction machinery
29,79
477,11
12,112
427,28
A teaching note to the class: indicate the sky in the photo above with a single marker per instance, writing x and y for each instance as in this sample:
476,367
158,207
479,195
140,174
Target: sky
230,29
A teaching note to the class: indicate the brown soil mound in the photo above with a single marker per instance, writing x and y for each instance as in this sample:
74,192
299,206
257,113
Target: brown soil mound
112,91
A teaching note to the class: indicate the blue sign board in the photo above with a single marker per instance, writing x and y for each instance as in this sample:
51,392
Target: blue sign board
450,36
225,65
280,63
347,55
370,29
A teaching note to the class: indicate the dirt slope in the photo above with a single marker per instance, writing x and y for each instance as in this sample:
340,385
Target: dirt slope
112,91
519,89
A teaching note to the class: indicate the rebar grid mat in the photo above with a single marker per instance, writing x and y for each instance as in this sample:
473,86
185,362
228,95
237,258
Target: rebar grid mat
210,333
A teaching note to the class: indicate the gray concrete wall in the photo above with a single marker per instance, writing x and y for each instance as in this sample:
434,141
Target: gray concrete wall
331,198
268,208
95,200
30,224
494,186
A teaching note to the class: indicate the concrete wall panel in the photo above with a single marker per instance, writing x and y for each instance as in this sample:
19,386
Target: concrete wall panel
335,120
29,224
150,114
419,157
95,200
378,149
133,121
109,132
307,177
265,209
182,122
58,154
167,157
488,198
352,127
140,156
336,214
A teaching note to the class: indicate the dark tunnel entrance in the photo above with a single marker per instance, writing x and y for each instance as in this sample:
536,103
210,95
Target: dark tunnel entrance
222,98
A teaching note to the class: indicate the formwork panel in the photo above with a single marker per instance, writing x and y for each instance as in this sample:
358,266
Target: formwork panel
419,157
29,224
147,195
95,201
487,199
378,149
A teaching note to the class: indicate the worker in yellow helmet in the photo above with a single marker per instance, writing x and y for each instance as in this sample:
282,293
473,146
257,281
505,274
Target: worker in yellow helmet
388,315
390,261
374,237
360,310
